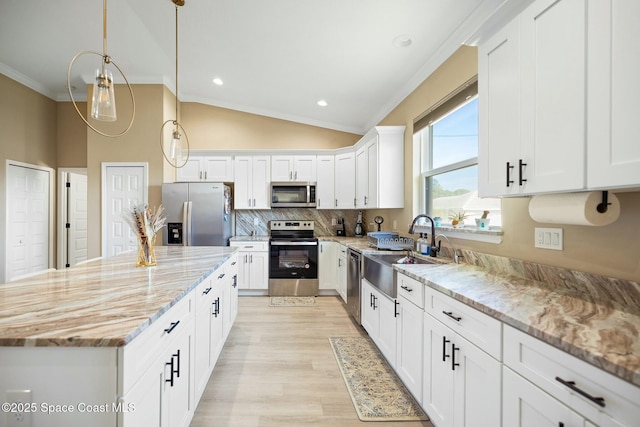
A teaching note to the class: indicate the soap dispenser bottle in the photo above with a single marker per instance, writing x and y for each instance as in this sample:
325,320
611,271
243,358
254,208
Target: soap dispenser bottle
359,231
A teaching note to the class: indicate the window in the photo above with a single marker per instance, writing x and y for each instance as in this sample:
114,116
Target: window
448,140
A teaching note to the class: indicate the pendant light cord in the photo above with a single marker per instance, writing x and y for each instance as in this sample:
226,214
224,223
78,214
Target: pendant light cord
177,102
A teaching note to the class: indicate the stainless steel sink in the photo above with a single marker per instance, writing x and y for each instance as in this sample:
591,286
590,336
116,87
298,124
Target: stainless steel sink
378,270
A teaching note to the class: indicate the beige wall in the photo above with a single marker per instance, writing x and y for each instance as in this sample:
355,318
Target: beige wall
28,124
71,136
218,128
613,250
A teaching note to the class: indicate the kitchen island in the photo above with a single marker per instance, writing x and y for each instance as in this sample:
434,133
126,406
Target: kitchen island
107,343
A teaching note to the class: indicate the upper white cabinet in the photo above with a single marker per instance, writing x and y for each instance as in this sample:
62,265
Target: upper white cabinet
293,168
206,168
252,178
380,168
613,88
532,78
345,182
325,185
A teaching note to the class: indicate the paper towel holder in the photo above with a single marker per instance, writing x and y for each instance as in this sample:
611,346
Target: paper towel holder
603,206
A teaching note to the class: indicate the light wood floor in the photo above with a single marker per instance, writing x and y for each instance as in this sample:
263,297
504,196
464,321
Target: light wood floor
277,369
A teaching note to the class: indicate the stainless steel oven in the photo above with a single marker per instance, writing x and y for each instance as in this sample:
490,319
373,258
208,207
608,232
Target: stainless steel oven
293,259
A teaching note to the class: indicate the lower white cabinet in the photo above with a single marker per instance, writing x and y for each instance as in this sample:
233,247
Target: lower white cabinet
409,355
378,318
253,265
342,272
461,383
327,263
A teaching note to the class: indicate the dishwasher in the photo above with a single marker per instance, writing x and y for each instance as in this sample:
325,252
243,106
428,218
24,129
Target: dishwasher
354,264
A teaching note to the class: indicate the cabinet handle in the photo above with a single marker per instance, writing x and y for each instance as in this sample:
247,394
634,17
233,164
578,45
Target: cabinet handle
254,203
444,348
250,258
560,424
249,204
336,203
406,288
370,300
395,309
177,356
233,263
450,314
205,175
453,356
170,365
206,291
374,302
572,385
235,281
365,200
245,258
290,175
520,173
354,202
319,204
509,167
216,310
295,175
200,174
172,327
220,276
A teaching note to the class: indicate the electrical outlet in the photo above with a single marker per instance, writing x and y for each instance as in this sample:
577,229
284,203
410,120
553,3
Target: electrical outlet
548,238
395,225
334,221
20,403
256,221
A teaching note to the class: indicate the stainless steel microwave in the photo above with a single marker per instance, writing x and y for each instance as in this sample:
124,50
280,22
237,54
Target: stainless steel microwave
293,194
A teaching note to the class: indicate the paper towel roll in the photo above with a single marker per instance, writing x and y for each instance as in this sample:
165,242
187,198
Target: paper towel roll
574,208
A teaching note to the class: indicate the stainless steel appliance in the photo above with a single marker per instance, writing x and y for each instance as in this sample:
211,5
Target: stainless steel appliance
293,194
198,214
293,259
354,268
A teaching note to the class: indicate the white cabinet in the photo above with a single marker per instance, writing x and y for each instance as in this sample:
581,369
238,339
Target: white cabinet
595,395
379,320
178,405
342,272
461,383
380,168
532,78
613,86
293,168
409,350
327,265
345,182
252,179
253,265
325,184
206,168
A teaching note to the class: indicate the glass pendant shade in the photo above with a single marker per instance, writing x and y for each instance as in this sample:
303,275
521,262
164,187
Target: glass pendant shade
103,102
176,149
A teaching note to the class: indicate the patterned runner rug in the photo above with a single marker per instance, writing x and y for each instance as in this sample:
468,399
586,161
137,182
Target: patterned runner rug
292,301
377,393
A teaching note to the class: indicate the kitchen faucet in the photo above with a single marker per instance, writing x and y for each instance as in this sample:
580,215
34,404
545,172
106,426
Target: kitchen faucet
456,257
433,251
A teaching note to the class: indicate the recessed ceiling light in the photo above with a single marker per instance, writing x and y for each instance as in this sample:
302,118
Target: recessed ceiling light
402,40
322,103
218,81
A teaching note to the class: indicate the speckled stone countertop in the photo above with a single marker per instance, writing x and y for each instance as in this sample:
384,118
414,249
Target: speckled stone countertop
103,303
581,320
249,239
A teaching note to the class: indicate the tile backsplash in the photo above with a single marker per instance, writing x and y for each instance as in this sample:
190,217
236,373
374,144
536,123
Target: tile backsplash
258,220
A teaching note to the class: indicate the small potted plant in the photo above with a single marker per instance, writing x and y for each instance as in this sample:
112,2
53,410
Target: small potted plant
483,222
457,219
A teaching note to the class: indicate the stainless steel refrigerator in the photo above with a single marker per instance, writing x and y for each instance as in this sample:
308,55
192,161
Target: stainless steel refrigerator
198,214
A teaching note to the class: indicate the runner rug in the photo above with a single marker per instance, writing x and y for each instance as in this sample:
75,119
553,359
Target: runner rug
377,393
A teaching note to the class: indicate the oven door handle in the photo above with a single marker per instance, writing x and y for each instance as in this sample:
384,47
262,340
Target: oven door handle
294,243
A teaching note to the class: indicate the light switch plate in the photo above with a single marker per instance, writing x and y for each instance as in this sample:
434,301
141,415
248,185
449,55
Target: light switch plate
548,238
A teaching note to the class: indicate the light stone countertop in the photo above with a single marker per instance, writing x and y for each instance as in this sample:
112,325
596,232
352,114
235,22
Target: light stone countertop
249,239
570,319
103,303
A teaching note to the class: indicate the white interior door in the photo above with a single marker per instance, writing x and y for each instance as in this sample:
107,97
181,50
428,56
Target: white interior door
28,216
77,219
123,185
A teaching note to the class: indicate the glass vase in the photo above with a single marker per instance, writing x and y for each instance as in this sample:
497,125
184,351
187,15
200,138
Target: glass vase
146,253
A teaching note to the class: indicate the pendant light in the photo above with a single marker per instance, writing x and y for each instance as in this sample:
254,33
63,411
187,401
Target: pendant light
178,153
103,101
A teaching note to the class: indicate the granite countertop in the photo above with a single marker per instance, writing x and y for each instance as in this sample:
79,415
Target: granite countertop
249,239
591,328
103,303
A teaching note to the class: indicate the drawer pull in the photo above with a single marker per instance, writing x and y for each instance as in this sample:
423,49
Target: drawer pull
171,371
572,385
406,288
395,309
374,302
172,327
220,276
453,356
206,291
450,314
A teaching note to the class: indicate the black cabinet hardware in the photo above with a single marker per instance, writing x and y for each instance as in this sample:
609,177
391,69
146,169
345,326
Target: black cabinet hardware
509,167
444,349
216,309
374,302
233,263
220,276
172,327
406,288
450,314
453,356
520,173
370,300
170,365
395,308
235,281
560,424
206,291
572,385
177,370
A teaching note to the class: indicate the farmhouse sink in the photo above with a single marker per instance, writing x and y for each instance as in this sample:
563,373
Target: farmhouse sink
378,270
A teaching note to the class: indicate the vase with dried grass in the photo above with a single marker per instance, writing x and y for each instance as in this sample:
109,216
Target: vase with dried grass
145,222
